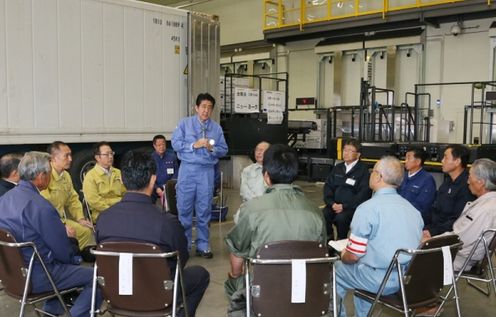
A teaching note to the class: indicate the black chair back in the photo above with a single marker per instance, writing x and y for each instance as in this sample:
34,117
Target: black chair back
13,269
424,277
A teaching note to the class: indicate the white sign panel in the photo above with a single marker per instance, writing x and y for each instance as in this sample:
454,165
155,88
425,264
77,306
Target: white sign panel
274,105
246,100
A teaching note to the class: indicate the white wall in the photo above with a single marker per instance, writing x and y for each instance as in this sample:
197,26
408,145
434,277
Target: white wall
302,68
449,58
241,20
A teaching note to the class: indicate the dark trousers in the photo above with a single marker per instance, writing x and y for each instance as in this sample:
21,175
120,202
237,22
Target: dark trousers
67,276
342,221
196,280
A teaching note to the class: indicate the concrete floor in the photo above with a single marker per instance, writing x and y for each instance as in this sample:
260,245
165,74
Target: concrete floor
214,302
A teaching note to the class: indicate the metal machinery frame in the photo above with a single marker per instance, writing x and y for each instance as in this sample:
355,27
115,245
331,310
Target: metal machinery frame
278,14
411,130
385,123
375,118
486,104
390,129
251,128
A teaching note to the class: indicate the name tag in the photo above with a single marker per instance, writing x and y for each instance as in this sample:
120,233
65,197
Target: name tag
170,171
350,181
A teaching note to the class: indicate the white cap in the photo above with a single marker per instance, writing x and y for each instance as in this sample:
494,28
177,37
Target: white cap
211,142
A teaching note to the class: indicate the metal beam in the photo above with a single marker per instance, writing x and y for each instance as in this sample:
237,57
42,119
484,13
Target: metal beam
469,10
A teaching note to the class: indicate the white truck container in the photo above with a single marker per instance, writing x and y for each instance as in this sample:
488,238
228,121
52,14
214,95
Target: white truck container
83,71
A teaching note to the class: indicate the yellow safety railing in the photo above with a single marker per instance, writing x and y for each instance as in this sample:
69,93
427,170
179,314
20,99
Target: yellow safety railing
286,13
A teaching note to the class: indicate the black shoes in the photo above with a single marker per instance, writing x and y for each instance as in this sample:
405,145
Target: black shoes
207,254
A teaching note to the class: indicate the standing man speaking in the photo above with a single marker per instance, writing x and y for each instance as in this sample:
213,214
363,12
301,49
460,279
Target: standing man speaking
199,143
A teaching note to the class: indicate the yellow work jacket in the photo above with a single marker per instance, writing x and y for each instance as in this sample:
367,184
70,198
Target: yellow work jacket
102,190
61,194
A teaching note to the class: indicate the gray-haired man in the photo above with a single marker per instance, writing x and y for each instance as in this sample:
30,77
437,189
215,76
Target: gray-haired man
30,217
479,214
381,225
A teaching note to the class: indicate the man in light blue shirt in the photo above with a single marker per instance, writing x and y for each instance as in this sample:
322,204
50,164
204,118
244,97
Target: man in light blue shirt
381,225
199,143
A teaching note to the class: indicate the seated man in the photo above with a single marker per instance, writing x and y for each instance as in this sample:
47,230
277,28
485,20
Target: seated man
30,217
418,186
453,194
9,177
136,218
61,194
282,213
167,166
252,182
478,215
102,185
346,187
381,225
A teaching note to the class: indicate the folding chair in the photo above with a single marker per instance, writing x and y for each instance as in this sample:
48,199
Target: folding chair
170,195
219,208
152,291
16,278
270,291
87,211
483,270
423,281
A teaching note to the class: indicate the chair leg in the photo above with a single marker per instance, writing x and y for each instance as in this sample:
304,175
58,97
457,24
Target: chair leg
26,285
37,311
492,276
183,290
485,291
174,294
334,293
457,299
446,297
93,291
52,282
247,286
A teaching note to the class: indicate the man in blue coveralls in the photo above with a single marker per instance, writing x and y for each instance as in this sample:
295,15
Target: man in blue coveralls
167,167
199,143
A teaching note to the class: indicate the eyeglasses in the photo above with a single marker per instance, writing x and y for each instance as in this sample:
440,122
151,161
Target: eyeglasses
107,154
